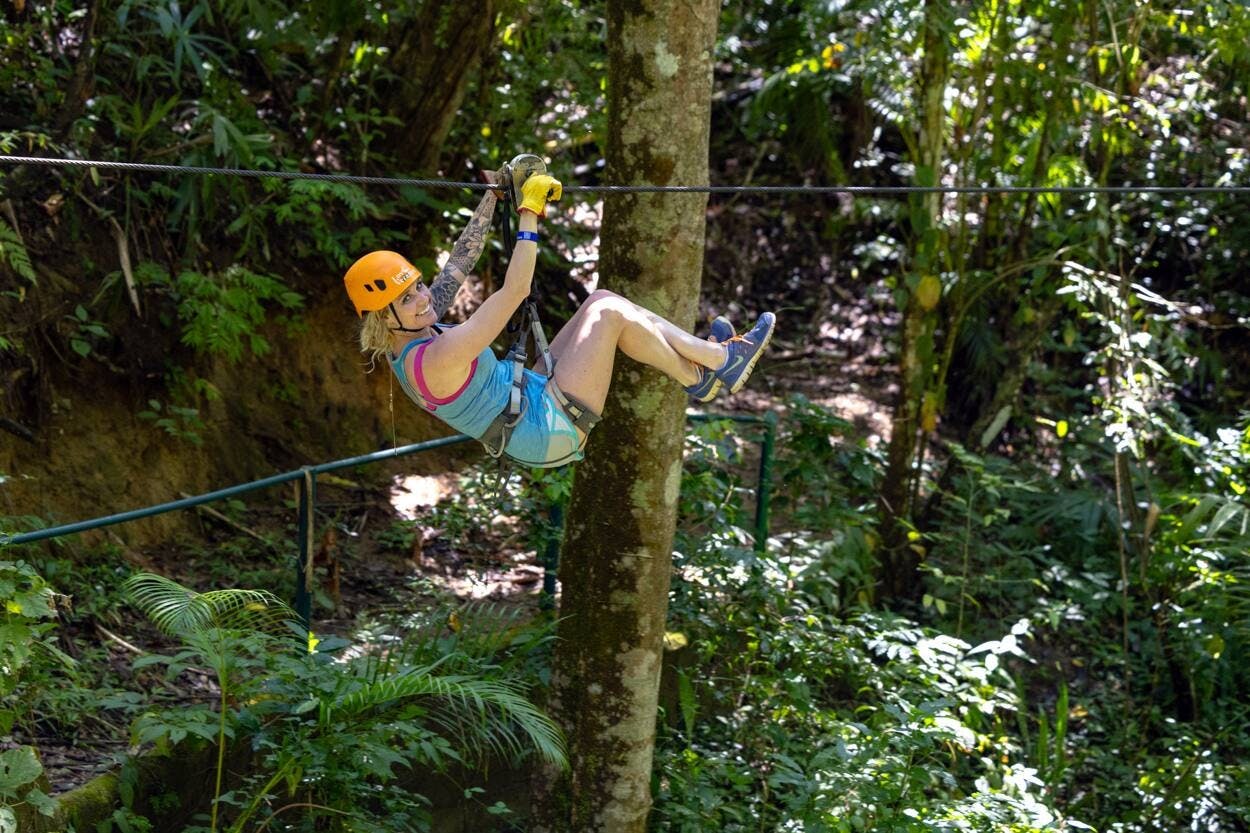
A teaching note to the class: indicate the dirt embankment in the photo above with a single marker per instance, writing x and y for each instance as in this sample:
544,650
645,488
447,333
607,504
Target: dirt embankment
308,400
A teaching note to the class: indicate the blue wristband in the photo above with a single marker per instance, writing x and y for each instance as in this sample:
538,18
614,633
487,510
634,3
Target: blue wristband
527,235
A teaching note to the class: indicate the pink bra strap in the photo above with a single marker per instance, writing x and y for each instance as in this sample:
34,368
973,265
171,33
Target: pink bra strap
425,391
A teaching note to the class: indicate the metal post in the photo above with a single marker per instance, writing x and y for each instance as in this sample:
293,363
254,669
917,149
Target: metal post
551,558
763,490
306,496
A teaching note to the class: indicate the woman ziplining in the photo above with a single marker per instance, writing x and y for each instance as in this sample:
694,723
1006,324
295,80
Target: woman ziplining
538,416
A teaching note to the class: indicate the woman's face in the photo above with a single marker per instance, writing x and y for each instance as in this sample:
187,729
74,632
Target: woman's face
415,308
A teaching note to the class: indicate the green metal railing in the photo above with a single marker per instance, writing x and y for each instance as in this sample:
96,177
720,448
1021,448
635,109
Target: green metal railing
305,480
306,496
763,499
763,485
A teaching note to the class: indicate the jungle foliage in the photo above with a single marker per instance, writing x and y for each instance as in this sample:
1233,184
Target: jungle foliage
1044,625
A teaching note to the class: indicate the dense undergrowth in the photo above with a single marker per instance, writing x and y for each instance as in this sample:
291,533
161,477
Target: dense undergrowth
331,724
1012,698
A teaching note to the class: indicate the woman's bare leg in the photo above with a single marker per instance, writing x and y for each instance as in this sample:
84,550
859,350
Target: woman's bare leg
585,348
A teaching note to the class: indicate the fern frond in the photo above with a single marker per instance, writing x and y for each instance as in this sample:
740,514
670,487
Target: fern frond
13,251
485,631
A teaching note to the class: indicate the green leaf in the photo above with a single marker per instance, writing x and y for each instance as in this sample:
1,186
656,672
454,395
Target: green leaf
34,604
467,701
205,731
1222,517
45,804
13,251
1195,516
306,706
18,767
221,141
179,611
686,700
150,659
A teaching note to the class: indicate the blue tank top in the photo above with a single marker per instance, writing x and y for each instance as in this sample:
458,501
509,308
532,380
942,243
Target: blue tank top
469,410
544,435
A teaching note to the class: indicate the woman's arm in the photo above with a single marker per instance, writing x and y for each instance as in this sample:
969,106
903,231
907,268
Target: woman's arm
460,346
464,256
456,349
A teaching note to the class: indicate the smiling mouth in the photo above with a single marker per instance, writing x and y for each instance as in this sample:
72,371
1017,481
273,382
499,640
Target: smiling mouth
424,311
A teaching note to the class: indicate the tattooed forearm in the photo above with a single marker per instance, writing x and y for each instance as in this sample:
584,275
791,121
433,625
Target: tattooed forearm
473,239
443,292
464,256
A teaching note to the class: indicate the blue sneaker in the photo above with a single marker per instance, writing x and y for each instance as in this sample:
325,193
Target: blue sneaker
722,330
744,351
706,388
709,385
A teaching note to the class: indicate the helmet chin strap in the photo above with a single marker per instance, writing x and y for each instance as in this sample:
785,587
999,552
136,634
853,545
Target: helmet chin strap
401,328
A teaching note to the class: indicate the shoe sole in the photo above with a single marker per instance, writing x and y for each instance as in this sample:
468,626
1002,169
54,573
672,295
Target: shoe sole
711,394
746,374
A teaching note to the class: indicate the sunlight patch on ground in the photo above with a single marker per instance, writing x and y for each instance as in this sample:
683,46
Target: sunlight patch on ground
410,493
505,583
863,412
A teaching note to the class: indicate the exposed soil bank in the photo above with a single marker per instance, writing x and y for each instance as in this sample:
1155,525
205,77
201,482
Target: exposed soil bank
307,401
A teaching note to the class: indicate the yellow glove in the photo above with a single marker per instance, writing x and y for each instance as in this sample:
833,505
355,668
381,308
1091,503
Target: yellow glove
537,190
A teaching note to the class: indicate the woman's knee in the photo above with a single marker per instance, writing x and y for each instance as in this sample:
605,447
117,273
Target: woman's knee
601,297
607,304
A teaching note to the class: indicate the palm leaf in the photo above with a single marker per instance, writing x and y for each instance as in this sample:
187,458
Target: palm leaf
482,714
180,611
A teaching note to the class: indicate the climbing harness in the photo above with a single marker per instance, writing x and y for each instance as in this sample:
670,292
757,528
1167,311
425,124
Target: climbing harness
526,324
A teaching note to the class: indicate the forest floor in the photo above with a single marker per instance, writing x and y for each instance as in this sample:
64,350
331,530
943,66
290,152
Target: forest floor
384,554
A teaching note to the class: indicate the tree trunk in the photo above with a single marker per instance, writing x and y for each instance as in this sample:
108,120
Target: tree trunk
897,577
434,56
616,557
80,81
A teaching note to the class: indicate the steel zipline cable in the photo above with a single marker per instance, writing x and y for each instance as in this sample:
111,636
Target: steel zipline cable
146,167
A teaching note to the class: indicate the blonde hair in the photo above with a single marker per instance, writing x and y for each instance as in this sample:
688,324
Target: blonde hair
375,336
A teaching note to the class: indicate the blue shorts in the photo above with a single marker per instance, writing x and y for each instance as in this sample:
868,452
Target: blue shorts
545,437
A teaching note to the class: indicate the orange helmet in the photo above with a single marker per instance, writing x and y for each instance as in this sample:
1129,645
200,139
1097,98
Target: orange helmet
377,279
